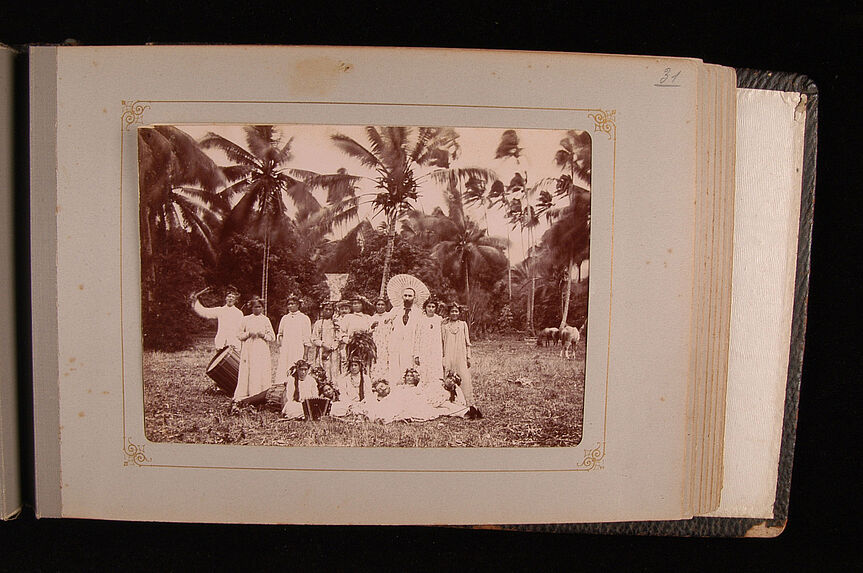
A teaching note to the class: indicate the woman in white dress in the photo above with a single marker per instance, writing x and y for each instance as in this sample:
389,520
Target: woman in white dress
255,334
294,337
456,350
353,390
430,346
380,334
304,387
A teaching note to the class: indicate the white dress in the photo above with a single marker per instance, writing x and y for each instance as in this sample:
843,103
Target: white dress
295,330
308,388
229,318
430,347
325,338
381,335
349,401
255,376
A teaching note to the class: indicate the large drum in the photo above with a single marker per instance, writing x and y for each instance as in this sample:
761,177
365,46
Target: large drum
224,369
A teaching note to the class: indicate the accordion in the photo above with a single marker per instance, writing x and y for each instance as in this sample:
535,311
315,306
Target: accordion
315,408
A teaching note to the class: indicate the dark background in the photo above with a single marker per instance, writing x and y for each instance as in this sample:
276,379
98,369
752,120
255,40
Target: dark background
821,40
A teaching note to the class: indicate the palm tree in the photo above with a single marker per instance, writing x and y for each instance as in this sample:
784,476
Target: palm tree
177,184
575,156
568,239
569,236
517,199
263,184
395,155
461,246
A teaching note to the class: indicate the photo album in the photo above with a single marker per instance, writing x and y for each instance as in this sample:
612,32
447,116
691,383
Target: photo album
384,286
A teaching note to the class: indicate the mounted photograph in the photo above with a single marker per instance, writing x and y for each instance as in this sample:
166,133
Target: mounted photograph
364,286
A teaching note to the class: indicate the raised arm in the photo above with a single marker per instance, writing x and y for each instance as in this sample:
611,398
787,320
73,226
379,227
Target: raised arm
203,311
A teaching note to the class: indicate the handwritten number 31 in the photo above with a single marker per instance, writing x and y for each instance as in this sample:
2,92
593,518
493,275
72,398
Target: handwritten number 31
666,76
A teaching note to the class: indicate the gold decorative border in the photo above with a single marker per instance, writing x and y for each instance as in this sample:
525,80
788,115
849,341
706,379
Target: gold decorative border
133,113
593,458
604,121
135,454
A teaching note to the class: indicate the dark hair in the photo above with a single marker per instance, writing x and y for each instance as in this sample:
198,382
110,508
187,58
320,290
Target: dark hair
251,302
428,302
452,306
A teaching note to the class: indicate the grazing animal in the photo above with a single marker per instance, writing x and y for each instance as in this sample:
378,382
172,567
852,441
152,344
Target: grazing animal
547,337
569,337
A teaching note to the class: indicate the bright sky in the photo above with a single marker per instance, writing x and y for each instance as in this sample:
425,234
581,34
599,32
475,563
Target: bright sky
313,150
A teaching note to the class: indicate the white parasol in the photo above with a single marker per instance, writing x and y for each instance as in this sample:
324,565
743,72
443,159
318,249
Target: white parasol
397,285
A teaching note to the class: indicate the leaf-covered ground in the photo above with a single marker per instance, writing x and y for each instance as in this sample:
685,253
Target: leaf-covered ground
529,396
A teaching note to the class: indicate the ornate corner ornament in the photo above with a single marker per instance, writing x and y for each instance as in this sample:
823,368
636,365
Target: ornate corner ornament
133,112
603,121
135,454
593,458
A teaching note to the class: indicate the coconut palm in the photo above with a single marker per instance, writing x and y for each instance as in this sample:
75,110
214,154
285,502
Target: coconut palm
461,247
523,203
574,157
177,184
262,186
396,155
569,236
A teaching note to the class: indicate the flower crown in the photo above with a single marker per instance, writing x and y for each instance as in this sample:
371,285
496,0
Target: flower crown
381,387
452,377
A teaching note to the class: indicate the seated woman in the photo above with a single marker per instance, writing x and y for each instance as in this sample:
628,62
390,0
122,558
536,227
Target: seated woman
352,389
378,407
445,396
303,388
406,401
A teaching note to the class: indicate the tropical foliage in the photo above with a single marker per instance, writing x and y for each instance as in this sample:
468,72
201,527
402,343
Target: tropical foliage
264,225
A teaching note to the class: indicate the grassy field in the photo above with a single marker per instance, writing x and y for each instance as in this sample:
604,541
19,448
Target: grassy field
529,396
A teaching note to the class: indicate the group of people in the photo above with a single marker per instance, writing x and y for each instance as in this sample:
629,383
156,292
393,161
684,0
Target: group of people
419,368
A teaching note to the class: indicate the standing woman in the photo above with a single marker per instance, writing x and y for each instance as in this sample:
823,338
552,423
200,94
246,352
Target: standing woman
255,334
430,346
456,351
380,335
294,337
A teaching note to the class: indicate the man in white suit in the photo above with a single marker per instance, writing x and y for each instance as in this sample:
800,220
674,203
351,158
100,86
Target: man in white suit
404,340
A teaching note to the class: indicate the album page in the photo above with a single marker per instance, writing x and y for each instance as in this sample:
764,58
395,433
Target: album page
770,133
552,410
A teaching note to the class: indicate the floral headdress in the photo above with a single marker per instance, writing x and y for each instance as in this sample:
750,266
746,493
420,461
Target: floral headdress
295,373
319,374
328,390
450,381
412,372
381,387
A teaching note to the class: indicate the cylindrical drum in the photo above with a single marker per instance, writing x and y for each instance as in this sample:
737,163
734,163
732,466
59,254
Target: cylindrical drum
258,398
275,398
224,369
314,408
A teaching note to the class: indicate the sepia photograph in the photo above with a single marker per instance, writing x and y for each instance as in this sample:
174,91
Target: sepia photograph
364,286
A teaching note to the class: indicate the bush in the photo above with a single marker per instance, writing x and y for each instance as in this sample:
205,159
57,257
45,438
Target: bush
168,322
